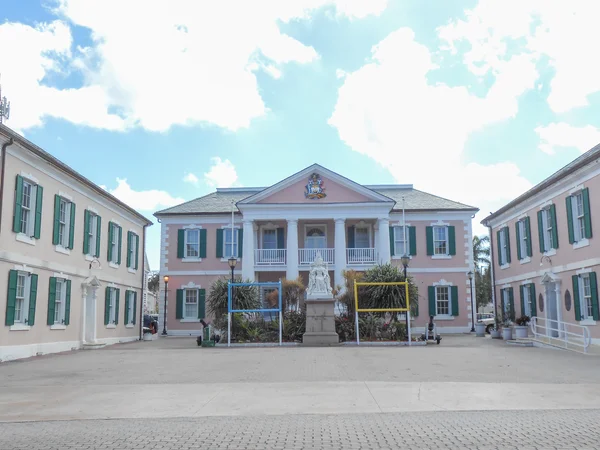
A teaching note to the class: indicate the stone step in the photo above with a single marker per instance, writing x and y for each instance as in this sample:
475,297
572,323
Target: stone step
93,346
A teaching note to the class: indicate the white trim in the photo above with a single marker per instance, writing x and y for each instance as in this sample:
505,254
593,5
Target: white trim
19,327
587,322
445,317
227,260
550,252
113,265
60,275
546,205
29,177
398,223
110,326
191,285
228,226
23,268
58,326
581,243
577,189
89,258
505,266
527,282
22,237
60,249
131,270
191,260
65,196
189,321
523,216
192,220
441,256
199,272
555,270
14,352
129,325
585,270
439,223
192,226
116,222
443,282
93,210
525,260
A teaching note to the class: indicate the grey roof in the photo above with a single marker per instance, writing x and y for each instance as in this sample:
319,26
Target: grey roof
219,202
588,157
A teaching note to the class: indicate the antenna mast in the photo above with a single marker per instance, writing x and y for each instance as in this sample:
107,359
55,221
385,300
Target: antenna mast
4,107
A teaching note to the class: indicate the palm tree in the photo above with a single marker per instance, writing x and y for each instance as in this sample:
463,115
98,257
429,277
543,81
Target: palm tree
481,251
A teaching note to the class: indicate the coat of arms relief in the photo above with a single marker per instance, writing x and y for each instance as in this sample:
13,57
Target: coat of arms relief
315,188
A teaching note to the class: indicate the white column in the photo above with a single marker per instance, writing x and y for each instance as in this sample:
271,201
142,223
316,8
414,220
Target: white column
339,252
292,271
248,249
384,241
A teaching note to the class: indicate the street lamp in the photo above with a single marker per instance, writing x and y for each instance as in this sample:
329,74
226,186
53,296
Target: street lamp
166,280
470,275
232,263
405,259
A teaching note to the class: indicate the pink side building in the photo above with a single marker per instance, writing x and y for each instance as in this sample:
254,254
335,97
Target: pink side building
546,253
277,231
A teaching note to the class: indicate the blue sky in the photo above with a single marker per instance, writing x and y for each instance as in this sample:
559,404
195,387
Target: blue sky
471,100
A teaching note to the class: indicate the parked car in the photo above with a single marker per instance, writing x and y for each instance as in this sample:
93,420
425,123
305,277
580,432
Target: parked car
487,319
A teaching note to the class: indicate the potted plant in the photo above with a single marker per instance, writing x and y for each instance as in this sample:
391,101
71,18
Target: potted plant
496,332
521,327
480,329
507,331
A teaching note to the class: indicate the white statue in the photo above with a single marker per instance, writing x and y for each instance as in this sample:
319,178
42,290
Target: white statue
319,283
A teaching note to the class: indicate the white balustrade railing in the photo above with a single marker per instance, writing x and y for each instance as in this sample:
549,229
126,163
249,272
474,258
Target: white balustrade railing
567,335
307,255
269,257
361,255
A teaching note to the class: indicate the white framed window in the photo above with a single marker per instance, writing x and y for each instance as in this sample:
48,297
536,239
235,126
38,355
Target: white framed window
130,307
22,298
401,241
190,306
28,202
442,301
60,301
91,234
192,243
527,299
112,306
440,241
269,239
585,297
504,246
506,302
315,236
578,216
63,222
230,248
522,238
132,243
114,243
547,226
362,238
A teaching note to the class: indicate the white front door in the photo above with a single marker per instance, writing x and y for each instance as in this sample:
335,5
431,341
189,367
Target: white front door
552,310
90,315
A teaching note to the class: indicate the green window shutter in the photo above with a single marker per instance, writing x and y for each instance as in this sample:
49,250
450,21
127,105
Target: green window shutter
240,251
119,245
107,306
127,299
570,220
429,233
181,243
508,258
587,218
201,303
51,301
111,231
454,295
32,299
137,251
203,243
533,299
280,238
55,233
68,303
431,294
39,198
72,227
412,240
540,221
11,298
502,302
554,226
117,306
179,304
392,238
499,243
220,243
522,296
351,237
528,235
129,238
519,255
511,299
576,298
452,240
134,308
18,207
594,289
98,234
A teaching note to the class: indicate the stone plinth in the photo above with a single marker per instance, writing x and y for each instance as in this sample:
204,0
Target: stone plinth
320,322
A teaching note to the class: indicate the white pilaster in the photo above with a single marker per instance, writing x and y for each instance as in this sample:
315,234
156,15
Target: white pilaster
292,271
248,249
383,246
339,251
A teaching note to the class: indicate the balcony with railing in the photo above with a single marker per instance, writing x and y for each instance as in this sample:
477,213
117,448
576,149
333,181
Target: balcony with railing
361,256
270,257
307,255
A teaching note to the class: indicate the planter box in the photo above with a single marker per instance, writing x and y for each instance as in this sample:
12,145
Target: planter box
521,332
496,334
507,333
480,330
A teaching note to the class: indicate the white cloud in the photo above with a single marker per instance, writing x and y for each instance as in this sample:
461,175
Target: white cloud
150,200
388,111
563,31
190,178
221,174
153,65
557,135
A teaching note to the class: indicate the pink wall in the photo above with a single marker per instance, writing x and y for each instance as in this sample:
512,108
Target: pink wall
336,193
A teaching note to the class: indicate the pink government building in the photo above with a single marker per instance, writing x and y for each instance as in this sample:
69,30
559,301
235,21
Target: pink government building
546,253
277,232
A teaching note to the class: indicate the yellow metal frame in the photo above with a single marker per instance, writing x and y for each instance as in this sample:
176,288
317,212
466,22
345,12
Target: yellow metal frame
397,283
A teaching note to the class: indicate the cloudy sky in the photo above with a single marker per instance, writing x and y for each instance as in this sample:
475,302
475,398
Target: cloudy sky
161,102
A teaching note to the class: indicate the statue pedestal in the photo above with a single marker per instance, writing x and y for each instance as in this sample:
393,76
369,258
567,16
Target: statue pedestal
320,321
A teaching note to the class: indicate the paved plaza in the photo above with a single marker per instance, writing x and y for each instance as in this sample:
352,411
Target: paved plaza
464,393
